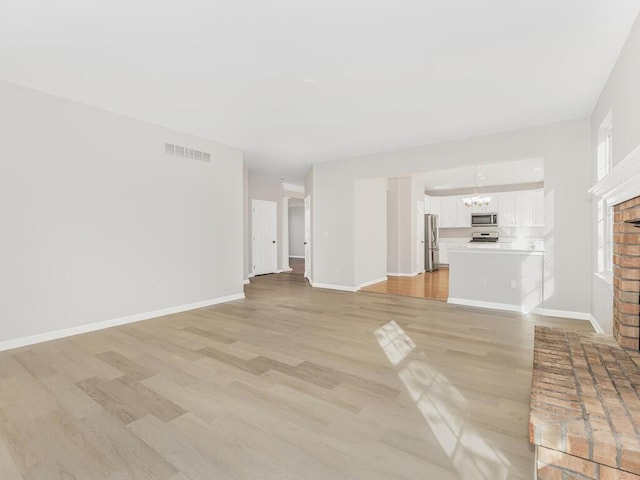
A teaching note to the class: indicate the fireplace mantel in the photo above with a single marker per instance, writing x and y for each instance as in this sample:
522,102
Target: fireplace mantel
623,181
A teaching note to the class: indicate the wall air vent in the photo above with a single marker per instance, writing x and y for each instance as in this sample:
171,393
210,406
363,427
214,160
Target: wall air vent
180,151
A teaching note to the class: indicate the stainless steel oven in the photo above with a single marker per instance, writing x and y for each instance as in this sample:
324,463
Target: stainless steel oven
484,219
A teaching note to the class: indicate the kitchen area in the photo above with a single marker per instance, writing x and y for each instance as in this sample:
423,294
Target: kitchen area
493,247
479,236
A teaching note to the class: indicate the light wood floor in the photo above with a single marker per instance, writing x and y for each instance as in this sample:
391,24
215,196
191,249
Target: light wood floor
297,265
433,285
292,383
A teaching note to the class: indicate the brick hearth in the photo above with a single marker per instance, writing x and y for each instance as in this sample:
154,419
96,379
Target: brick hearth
585,407
626,274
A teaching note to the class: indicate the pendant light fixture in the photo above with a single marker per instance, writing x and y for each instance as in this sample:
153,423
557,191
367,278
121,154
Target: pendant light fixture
476,200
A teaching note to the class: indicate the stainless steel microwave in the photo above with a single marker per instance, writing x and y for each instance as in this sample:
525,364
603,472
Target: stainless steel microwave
484,219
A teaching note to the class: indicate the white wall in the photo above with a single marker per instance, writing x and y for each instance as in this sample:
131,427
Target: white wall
621,97
246,225
565,149
309,192
370,227
296,230
400,226
99,224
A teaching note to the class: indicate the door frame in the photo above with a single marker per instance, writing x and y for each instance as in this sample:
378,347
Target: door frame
307,238
253,238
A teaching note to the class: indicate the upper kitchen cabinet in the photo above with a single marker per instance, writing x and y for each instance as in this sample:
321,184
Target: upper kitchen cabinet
506,209
539,209
432,205
449,211
464,213
530,208
524,208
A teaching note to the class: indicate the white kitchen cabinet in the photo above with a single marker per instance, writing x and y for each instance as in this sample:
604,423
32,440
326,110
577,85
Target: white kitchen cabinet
449,212
506,209
432,205
464,214
435,206
539,211
525,204
522,208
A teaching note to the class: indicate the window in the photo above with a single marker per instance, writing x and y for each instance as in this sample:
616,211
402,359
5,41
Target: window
605,212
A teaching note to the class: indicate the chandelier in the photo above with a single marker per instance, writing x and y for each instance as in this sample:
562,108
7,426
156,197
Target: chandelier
476,200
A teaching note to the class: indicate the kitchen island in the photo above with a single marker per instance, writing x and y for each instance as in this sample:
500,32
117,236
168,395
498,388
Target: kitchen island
505,276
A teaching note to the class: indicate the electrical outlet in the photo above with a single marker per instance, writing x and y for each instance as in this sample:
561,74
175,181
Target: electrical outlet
483,281
514,284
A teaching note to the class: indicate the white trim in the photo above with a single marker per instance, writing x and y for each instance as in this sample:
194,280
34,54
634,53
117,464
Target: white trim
292,187
622,182
342,288
295,256
521,309
549,312
372,282
495,306
91,327
606,277
494,250
251,275
285,270
596,326
246,282
395,274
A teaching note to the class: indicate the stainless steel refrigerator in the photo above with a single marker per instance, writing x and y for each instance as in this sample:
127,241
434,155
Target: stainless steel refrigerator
431,243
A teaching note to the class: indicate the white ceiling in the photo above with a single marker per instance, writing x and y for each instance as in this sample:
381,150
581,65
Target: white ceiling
486,175
294,82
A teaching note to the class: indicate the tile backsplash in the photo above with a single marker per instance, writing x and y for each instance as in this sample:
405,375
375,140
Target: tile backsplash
504,232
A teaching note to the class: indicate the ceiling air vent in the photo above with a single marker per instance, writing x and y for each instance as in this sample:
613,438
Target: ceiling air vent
180,151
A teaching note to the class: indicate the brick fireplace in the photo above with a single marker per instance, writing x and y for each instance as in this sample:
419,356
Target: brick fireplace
626,274
585,396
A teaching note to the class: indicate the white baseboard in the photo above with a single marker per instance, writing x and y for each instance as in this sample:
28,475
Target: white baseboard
91,327
342,288
521,309
371,282
395,274
251,275
295,256
282,270
246,282
549,312
596,326
476,303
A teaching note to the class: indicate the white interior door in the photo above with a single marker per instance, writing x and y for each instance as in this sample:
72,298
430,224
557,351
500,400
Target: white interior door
420,237
307,237
264,232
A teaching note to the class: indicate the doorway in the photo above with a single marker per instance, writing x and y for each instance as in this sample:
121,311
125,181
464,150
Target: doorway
296,248
264,232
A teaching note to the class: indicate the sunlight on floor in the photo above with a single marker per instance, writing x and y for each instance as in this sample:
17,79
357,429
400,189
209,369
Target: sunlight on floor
444,407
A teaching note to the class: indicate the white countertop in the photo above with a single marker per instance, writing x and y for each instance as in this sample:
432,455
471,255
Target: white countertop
517,248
